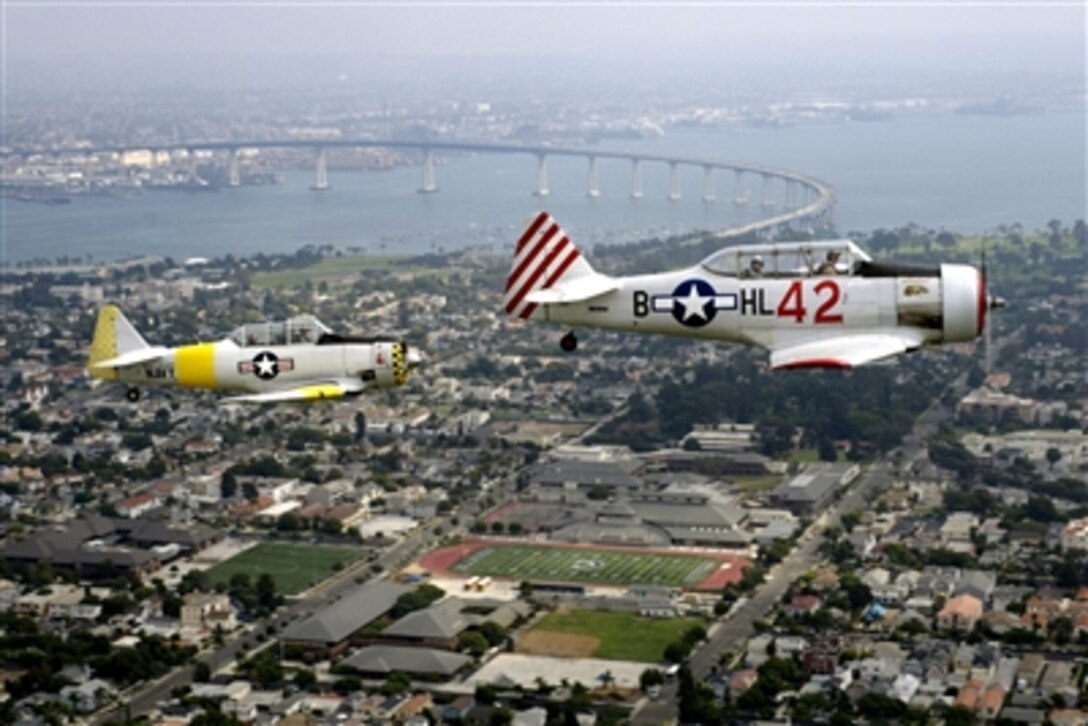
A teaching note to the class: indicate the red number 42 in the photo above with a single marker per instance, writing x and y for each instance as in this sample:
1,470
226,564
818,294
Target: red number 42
828,294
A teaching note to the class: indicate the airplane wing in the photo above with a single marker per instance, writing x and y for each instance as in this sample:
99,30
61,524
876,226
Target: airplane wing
578,289
310,392
843,351
133,358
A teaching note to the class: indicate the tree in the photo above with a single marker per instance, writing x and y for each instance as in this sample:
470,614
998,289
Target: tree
946,240
1061,630
228,485
676,651
360,426
472,642
959,716
305,679
350,684
417,599
288,522
397,682
266,669
485,694
1041,509
266,590
500,717
202,672
494,633
1053,456
650,677
694,634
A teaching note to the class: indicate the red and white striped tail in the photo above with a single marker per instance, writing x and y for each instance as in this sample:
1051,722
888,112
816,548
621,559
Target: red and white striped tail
544,256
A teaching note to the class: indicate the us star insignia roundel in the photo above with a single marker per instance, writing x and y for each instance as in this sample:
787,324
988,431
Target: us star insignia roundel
694,303
266,365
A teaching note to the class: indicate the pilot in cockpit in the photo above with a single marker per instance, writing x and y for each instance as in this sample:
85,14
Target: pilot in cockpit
830,266
755,268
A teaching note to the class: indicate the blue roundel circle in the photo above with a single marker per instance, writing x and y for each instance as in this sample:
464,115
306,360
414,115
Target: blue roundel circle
693,303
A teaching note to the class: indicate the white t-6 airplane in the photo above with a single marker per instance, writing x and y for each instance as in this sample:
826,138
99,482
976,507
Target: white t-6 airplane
295,360
819,304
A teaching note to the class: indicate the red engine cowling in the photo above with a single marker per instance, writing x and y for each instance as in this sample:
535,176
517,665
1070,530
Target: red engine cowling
963,303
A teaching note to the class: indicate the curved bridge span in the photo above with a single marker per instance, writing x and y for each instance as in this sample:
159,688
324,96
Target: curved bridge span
797,198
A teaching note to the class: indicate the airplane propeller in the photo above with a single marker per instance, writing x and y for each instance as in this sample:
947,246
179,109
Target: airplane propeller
993,302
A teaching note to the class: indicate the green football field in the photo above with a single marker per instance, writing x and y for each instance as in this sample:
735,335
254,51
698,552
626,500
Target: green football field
587,565
294,567
613,631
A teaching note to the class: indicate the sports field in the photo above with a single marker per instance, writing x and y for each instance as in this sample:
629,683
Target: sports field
599,634
587,565
294,567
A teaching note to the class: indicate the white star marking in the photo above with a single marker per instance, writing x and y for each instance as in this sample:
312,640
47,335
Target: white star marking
265,366
694,304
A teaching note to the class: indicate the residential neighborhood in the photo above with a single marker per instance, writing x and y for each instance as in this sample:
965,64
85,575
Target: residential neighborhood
480,545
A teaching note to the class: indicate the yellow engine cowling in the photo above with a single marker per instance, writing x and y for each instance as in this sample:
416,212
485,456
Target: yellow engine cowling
390,364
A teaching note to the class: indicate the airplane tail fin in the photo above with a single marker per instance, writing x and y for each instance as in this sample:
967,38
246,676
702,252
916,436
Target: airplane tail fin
114,336
544,256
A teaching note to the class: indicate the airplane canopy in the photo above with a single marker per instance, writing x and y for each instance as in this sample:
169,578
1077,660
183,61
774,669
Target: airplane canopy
787,259
294,331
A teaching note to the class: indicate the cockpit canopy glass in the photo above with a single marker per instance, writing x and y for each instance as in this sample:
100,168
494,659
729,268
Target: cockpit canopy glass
787,259
295,331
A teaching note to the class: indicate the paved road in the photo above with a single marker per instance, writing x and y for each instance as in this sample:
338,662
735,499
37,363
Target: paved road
733,633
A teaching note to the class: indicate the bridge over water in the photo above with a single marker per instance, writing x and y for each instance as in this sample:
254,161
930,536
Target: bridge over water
798,198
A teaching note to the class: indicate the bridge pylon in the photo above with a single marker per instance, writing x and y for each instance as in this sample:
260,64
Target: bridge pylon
428,186
740,191
710,193
674,181
593,189
321,172
768,192
234,173
636,178
542,176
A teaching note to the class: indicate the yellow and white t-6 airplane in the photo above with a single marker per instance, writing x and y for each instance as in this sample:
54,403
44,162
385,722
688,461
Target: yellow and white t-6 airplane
295,360
820,304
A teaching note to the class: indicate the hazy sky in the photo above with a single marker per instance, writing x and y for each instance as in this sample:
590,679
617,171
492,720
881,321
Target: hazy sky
41,28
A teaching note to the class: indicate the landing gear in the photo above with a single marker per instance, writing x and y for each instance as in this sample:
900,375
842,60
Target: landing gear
133,394
569,343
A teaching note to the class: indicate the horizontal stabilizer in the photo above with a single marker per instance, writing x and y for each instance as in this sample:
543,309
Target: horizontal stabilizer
132,358
844,351
311,392
577,290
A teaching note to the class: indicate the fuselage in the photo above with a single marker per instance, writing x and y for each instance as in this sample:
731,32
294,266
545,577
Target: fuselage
696,302
226,366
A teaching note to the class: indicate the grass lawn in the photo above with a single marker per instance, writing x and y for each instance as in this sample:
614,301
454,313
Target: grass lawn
294,567
587,565
754,484
327,269
623,636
